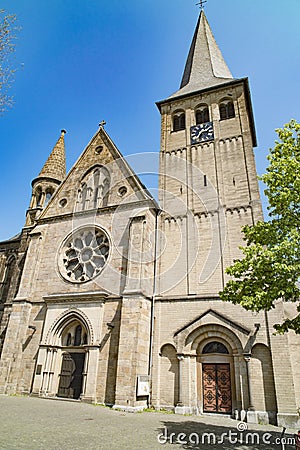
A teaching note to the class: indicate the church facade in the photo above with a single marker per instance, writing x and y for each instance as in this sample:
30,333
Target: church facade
109,296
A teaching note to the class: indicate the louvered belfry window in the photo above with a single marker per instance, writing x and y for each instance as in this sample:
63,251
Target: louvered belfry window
202,115
226,110
179,121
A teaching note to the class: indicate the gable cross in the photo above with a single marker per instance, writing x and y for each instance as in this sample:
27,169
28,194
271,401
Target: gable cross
201,4
102,123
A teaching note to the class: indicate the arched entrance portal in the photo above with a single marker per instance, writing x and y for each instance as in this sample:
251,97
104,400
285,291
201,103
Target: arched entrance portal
74,337
215,377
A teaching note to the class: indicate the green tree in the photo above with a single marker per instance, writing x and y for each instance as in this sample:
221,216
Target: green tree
8,31
270,267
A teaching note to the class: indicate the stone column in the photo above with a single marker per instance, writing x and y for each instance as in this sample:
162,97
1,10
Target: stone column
180,408
84,375
180,361
38,382
89,394
46,371
52,371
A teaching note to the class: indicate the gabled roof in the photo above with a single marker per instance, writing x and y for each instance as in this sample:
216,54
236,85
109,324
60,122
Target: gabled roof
205,66
55,166
222,317
110,158
13,239
146,194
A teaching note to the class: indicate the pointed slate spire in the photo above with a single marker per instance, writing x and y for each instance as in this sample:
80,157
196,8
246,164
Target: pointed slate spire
205,65
55,166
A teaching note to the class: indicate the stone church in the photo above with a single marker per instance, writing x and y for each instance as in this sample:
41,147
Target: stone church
110,296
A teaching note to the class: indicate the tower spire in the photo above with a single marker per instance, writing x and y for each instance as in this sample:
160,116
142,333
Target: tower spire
205,65
55,166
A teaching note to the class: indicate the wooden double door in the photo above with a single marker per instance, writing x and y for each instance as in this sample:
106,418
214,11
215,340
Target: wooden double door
216,388
71,375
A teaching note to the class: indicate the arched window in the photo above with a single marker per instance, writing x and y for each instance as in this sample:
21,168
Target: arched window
69,340
226,108
78,332
38,196
75,334
94,190
83,193
215,347
48,197
202,114
7,274
179,121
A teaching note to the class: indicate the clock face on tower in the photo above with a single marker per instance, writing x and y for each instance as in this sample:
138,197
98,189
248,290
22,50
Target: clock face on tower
202,132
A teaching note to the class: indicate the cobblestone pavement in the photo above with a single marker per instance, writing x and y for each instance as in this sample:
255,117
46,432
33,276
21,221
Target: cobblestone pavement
33,423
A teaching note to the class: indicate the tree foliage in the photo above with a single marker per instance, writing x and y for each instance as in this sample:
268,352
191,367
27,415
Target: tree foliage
270,268
8,30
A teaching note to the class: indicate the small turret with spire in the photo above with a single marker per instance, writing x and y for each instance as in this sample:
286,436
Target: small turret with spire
50,177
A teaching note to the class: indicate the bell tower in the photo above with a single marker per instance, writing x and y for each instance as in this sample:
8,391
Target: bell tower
208,183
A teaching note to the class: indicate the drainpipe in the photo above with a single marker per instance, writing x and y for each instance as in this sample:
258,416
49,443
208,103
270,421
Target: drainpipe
158,211
247,358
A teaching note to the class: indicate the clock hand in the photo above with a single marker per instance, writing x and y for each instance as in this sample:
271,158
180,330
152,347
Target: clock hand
196,133
200,132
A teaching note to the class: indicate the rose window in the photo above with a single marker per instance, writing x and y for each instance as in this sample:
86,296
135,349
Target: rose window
84,254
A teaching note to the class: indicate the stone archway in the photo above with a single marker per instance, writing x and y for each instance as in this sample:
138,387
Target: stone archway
55,333
67,359
71,376
220,368
231,366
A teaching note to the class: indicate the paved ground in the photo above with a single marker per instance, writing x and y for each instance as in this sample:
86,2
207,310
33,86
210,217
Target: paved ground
33,423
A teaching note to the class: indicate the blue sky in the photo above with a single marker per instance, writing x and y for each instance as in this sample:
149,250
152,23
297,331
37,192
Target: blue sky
81,61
